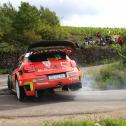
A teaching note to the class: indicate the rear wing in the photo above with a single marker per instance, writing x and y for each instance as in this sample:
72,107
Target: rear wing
51,43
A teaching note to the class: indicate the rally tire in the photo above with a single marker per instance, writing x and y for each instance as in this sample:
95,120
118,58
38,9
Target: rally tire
20,93
9,83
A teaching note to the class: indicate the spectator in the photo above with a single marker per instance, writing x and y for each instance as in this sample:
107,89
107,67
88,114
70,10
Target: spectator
120,41
108,39
90,40
86,41
98,35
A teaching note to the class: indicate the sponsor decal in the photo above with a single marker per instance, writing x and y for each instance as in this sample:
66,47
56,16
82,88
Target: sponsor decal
47,63
63,64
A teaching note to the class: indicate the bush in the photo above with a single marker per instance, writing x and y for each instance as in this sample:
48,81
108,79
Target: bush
5,71
111,77
121,50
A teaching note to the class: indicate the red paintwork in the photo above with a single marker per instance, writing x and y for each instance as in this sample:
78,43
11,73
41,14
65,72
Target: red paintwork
42,70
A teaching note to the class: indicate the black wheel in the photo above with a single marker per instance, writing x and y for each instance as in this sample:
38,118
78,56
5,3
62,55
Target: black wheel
51,91
9,83
20,93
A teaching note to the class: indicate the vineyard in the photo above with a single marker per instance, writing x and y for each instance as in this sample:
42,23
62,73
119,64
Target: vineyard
79,33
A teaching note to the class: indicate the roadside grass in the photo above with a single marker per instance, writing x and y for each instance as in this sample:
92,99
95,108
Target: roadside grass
100,62
5,71
105,122
112,76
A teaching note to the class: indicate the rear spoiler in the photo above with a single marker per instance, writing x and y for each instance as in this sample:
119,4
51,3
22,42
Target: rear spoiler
51,43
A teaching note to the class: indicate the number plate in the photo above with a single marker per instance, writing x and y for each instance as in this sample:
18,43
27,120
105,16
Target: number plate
57,76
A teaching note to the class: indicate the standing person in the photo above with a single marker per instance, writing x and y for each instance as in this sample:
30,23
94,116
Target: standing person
120,41
86,40
98,36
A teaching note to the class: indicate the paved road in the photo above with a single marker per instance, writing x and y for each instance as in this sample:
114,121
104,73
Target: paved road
81,102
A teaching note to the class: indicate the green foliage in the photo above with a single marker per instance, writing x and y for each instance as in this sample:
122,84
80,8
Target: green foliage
121,49
7,15
30,36
10,47
105,122
52,33
5,71
28,24
27,18
72,123
111,122
112,76
78,33
48,17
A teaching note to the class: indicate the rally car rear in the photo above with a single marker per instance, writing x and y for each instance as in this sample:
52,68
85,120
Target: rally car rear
45,65
59,71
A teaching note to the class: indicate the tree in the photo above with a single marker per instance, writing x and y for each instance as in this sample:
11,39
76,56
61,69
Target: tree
48,17
28,24
27,18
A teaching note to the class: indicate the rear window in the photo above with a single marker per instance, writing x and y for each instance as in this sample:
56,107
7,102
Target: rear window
47,56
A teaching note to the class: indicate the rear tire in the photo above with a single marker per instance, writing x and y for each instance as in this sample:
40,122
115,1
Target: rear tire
9,83
20,93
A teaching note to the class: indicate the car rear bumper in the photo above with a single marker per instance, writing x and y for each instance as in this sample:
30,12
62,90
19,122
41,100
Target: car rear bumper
30,87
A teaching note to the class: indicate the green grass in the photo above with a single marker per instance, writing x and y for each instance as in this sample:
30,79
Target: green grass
112,76
110,122
4,71
106,122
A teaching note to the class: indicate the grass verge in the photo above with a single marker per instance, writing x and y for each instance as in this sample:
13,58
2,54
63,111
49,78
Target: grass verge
106,122
112,76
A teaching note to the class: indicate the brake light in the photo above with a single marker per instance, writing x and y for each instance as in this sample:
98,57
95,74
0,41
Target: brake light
29,69
73,63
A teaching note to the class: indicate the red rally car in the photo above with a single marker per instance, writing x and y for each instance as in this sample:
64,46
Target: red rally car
45,65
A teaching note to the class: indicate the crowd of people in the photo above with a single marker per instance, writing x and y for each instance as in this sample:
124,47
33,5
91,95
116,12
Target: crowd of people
103,40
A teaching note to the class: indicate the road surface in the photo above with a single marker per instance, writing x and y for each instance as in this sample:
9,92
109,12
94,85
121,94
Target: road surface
83,103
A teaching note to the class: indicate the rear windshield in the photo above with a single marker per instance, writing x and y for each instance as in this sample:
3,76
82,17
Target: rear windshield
47,56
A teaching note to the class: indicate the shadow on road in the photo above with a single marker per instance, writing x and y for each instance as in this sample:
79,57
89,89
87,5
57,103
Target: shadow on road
9,101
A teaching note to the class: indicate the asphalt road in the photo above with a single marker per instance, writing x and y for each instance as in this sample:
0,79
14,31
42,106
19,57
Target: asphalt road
84,101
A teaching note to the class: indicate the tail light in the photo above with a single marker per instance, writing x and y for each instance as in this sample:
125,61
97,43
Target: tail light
29,69
73,63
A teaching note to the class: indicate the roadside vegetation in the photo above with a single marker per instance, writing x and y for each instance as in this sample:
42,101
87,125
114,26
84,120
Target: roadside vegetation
79,33
113,76
26,24
106,122
5,71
